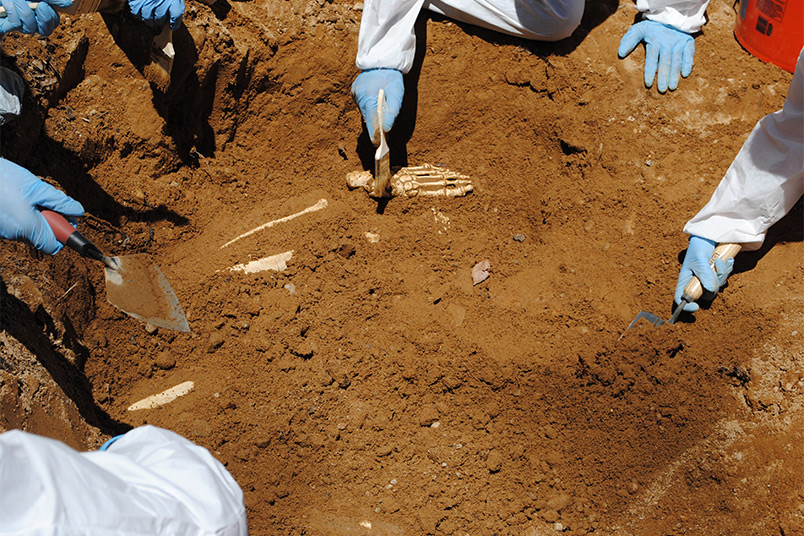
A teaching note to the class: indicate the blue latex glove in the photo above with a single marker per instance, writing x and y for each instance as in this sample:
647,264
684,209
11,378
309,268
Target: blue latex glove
21,18
109,442
365,89
669,50
155,12
696,262
20,193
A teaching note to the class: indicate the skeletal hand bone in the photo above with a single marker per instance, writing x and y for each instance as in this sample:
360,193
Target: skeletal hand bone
425,181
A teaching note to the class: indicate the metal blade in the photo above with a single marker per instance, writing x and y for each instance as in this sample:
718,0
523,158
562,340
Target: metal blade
140,289
650,317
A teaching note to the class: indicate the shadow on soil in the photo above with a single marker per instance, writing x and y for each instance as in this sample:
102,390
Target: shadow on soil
31,329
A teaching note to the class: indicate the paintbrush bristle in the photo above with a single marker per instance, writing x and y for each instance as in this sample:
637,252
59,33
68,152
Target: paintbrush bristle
162,55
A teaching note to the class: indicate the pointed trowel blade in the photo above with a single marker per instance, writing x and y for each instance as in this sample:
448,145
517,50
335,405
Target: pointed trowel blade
139,288
650,317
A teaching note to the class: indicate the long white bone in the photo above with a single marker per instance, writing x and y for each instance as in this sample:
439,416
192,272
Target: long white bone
322,204
276,262
160,399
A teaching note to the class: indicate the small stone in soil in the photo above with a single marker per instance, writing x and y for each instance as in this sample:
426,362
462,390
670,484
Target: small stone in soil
551,516
215,341
494,461
519,237
201,428
165,360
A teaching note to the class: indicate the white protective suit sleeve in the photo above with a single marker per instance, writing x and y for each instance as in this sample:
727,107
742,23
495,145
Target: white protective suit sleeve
387,38
686,15
764,181
150,481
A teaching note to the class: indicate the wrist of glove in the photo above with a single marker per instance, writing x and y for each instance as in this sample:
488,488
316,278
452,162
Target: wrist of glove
155,13
21,193
698,263
669,52
21,18
365,89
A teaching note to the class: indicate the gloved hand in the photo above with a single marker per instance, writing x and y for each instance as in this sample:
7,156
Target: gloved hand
696,262
365,89
109,442
670,49
20,193
20,17
155,12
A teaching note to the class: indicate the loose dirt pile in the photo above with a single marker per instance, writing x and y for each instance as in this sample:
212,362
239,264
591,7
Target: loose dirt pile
369,387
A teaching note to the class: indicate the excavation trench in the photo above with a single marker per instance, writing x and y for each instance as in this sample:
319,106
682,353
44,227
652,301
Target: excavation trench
348,373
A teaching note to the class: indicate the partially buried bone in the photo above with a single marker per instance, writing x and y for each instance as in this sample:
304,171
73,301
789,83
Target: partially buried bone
426,181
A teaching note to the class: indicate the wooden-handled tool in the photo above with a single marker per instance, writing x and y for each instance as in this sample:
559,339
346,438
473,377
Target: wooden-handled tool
382,157
694,289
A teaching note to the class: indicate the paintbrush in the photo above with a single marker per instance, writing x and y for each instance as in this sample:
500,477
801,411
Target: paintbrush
162,55
382,157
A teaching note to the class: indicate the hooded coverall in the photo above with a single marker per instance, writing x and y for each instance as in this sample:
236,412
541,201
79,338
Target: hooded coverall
387,39
765,179
150,481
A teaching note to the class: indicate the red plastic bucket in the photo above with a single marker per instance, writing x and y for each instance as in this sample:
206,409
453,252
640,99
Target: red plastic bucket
772,30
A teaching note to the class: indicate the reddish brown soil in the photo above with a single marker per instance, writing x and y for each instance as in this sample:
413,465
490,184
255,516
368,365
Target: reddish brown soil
386,394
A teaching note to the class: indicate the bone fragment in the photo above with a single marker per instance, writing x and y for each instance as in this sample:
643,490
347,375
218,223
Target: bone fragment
276,262
425,180
480,271
160,399
322,204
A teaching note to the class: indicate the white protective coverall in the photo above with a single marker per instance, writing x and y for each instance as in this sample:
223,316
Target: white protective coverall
149,482
387,39
765,179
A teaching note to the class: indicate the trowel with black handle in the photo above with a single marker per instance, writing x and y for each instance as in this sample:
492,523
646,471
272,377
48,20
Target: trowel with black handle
134,284
693,291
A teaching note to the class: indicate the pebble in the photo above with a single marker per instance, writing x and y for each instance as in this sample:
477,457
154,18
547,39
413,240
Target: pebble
428,416
559,501
215,341
519,237
201,428
304,349
150,328
346,250
551,516
383,450
494,461
291,288
165,360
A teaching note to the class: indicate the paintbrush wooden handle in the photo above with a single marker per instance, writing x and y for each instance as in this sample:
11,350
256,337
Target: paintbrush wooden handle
694,289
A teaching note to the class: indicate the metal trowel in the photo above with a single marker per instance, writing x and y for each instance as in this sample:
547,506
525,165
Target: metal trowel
134,284
692,291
